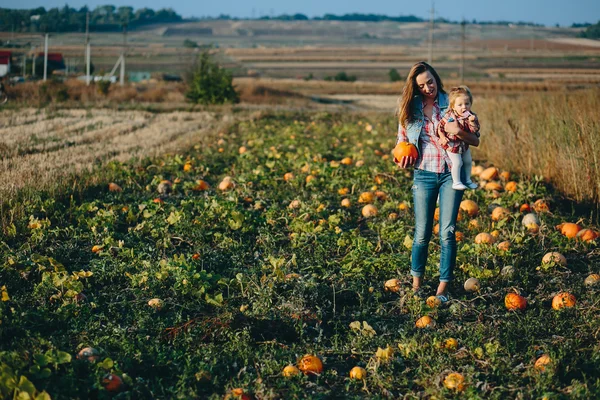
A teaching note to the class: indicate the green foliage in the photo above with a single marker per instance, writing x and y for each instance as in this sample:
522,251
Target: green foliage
105,18
248,285
591,32
190,44
210,83
341,77
394,75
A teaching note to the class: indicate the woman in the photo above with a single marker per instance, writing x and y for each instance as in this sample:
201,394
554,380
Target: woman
424,103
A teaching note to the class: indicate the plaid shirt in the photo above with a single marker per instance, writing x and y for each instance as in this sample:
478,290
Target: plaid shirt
432,157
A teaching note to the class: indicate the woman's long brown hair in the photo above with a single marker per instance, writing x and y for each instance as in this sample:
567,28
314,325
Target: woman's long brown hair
411,90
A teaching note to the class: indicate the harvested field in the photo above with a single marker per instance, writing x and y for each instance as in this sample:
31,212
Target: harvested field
38,147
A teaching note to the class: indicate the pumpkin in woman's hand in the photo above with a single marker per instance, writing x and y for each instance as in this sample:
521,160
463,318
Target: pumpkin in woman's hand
405,149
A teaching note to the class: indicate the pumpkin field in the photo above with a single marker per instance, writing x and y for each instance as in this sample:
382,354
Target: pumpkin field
271,260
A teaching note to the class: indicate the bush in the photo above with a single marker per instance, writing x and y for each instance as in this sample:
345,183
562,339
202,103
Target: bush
343,77
103,86
190,44
394,75
210,84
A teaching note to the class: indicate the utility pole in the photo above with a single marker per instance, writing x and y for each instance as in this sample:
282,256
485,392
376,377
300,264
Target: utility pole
122,80
24,64
430,59
462,52
46,58
87,48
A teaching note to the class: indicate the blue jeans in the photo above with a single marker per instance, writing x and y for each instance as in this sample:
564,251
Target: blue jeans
425,189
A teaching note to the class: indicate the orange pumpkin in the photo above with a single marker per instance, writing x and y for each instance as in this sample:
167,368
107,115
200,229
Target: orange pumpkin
112,382
226,184
288,176
541,206
290,371
500,213
200,185
503,246
451,344
343,191
346,161
369,211
455,381
563,300
470,207
310,364
366,197
436,214
346,203
113,187
525,208
484,238
542,362
489,174
358,373
459,236
477,170
511,186
424,322
569,229
392,285
505,175
592,280
493,186
405,149
587,235
433,302
514,301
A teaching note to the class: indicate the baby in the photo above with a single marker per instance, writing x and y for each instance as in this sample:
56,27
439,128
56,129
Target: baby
460,99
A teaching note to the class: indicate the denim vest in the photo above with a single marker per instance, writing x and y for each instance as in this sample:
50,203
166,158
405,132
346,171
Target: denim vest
413,129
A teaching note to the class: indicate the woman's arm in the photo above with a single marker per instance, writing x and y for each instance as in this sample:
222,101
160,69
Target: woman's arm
469,138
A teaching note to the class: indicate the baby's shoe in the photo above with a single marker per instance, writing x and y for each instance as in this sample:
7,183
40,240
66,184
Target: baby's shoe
458,186
471,185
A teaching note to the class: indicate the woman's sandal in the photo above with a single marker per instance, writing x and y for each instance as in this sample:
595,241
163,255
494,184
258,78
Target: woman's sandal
443,298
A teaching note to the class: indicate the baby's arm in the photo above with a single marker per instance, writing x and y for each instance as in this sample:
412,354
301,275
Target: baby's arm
473,122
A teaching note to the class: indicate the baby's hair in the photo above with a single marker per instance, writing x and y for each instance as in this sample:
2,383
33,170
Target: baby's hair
459,91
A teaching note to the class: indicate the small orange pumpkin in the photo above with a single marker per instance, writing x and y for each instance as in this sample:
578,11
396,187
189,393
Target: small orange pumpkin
358,373
484,238
366,197
310,364
425,322
569,229
470,207
587,235
369,211
112,383
455,381
392,285
542,362
500,213
592,280
489,174
563,300
511,186
541,206
514,301
290,370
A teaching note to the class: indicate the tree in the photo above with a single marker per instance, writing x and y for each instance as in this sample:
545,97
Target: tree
210,83
394,75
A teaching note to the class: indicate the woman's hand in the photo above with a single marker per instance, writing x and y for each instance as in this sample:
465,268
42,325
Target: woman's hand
452,128
405,162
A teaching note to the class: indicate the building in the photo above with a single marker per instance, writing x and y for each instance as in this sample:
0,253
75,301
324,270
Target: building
56,62
5,57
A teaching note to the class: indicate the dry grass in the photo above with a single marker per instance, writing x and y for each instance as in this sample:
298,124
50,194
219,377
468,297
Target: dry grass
39,148
554,135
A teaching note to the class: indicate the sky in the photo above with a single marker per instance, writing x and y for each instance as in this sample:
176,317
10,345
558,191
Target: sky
547,12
